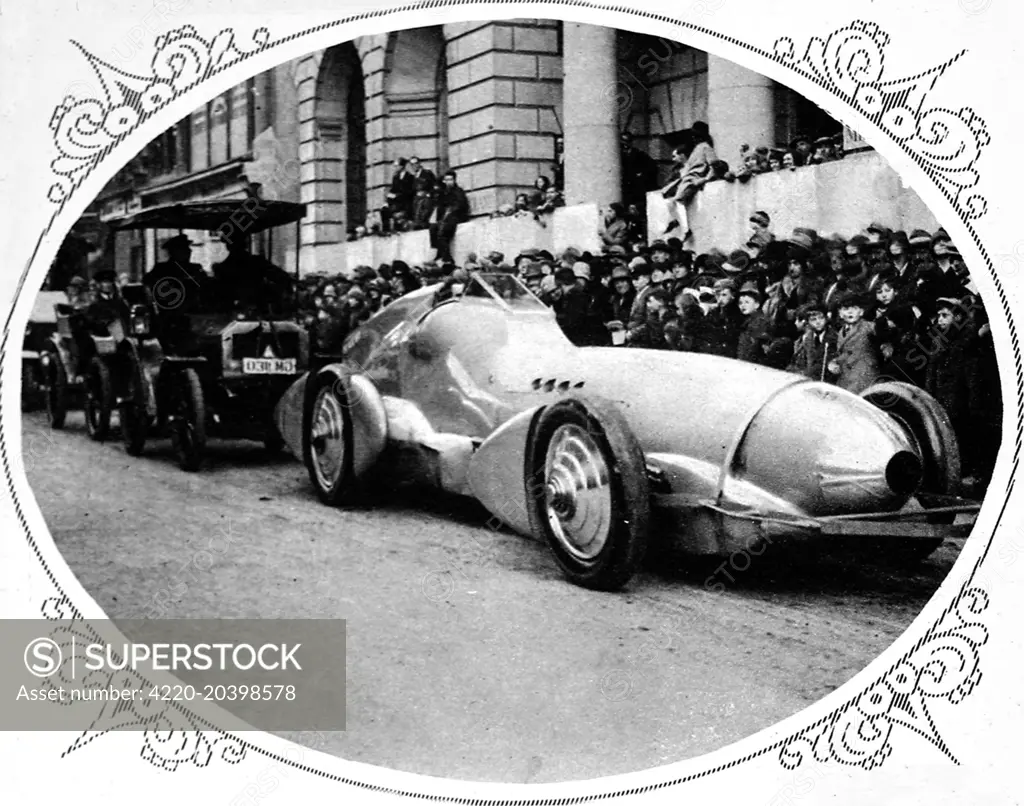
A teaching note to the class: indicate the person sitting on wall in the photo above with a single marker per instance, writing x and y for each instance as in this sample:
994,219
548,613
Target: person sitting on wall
452,210
248,280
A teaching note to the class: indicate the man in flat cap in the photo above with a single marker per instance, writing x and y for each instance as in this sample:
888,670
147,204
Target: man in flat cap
724,321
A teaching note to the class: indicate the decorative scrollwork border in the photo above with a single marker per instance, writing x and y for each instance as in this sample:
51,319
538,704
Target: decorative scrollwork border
849,63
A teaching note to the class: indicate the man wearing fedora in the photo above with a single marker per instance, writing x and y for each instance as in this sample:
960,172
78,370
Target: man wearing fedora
619,303
177,282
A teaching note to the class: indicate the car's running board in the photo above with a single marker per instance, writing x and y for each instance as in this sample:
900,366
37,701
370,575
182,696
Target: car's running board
856,525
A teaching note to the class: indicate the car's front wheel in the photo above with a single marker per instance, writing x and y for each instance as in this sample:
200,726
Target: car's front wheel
99,400
188,428
133,414
57,392
327,439
587,492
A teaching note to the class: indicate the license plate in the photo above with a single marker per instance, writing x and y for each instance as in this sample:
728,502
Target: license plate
268,366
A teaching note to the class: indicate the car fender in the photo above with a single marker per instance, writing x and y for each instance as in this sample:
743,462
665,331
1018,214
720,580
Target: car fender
147,357
364,406
497,470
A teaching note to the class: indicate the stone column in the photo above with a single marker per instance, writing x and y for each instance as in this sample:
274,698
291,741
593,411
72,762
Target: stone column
263,88
741,108
593,164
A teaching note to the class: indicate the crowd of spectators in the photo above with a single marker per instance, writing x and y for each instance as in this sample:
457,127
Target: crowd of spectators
848,311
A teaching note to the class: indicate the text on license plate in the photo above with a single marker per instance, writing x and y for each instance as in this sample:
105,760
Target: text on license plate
268,366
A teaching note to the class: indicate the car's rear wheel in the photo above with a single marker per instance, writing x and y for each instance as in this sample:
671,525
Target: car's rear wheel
57,392
925,421
99,400
587,492
327,440
133,415
188,426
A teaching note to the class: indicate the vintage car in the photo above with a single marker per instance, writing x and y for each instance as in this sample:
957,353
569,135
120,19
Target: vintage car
42,324
75,369
229,364
599,451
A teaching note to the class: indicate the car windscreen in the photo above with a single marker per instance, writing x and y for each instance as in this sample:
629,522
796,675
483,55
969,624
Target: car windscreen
506,288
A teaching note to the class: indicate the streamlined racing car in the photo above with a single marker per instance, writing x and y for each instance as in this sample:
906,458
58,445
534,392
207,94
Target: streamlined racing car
599,451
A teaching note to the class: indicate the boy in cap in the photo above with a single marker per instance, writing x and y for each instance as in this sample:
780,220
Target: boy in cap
895,322
755,335
817,346
856,365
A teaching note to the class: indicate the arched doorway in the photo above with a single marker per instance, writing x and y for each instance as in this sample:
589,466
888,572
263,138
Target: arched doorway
416,96
341,136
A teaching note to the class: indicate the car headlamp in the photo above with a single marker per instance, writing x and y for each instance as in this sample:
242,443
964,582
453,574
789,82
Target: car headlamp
140,324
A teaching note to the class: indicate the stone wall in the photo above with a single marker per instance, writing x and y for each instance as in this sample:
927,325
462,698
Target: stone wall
836,197
504,106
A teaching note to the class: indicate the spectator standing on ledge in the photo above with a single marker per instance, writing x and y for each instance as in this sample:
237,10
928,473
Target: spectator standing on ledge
400,196
425,185
639,174
452,210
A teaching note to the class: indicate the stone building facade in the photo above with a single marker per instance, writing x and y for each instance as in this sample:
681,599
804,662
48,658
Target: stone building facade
501,102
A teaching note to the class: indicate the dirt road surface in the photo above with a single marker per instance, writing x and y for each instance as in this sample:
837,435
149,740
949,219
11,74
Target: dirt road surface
469,656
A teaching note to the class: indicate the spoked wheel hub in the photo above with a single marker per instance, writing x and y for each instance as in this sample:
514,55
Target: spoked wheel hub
578,492
327,439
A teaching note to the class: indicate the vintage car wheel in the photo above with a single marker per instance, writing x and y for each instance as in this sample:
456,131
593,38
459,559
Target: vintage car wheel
57,393
188,426
134,417
99,400
926,422
587,492
31,389
327,440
